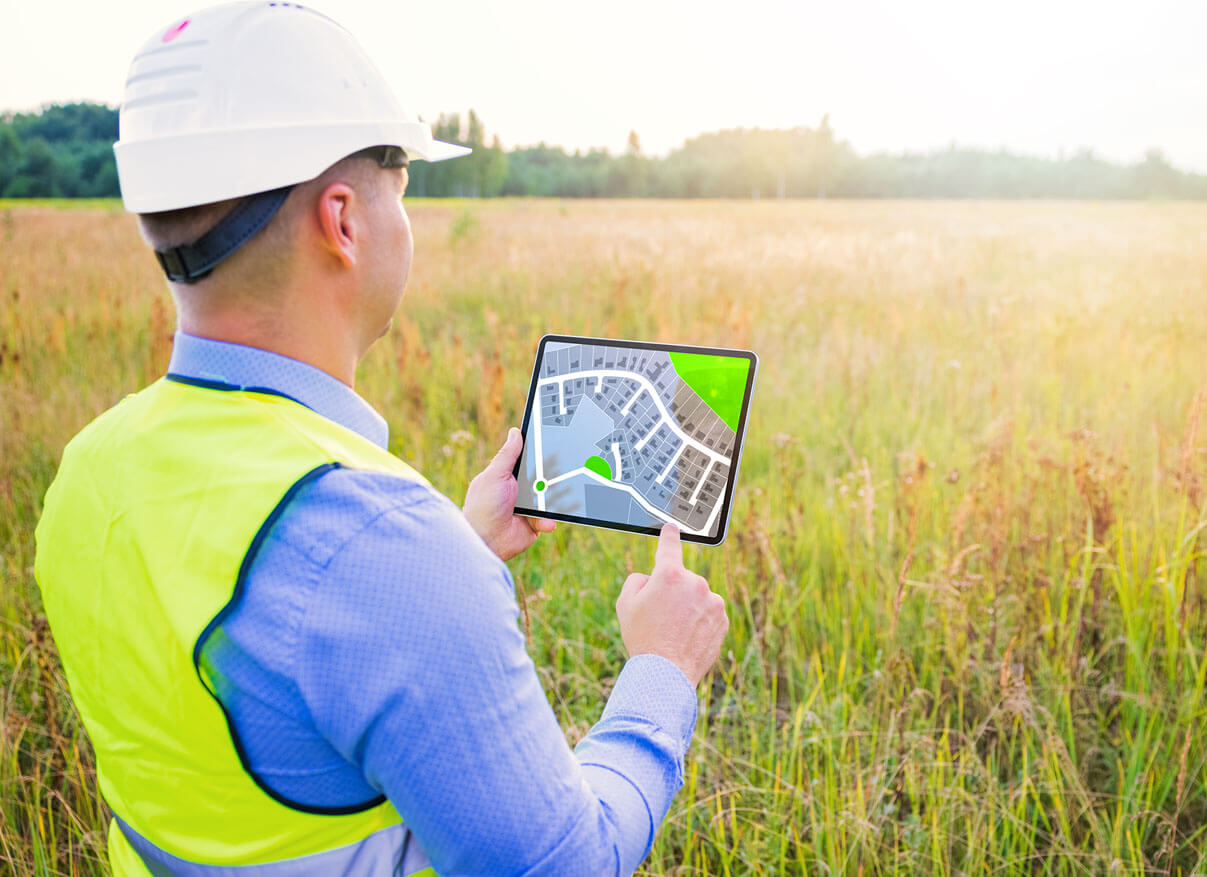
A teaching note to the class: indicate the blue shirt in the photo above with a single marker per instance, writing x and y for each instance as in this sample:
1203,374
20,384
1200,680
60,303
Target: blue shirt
376,652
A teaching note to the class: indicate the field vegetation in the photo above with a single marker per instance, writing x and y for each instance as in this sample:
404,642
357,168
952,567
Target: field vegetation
965,571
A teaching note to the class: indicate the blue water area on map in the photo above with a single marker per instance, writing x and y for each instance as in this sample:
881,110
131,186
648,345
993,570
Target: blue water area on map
566,448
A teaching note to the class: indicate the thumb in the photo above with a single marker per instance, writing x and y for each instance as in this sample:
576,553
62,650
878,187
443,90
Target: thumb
632,585
504,461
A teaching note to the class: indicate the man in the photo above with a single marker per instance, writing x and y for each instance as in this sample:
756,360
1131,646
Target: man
289,651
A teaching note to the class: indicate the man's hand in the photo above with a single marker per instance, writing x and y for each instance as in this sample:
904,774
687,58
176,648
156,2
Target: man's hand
672,612
490,501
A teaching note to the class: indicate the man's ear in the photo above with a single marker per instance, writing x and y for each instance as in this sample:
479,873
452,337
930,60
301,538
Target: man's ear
336,223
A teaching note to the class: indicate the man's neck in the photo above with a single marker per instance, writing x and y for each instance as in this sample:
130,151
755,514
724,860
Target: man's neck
314,344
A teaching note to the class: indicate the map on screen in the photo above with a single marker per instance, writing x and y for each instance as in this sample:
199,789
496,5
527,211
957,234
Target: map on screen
634,436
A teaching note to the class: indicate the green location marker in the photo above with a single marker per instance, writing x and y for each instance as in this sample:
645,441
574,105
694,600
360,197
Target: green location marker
540,485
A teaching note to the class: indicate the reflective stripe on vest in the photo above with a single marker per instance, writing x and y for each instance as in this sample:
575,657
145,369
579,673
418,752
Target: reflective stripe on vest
376,855
147,533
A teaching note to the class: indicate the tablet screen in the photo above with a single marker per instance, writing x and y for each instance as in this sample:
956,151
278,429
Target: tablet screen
630,435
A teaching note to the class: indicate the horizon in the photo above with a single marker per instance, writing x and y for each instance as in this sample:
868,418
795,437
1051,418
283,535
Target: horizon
934,151
1050,83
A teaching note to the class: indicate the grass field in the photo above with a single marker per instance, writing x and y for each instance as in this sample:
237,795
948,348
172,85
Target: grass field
965,573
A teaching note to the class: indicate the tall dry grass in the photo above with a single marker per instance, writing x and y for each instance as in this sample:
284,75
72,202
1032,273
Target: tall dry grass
965,571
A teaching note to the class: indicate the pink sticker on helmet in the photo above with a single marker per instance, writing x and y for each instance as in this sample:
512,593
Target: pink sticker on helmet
173,32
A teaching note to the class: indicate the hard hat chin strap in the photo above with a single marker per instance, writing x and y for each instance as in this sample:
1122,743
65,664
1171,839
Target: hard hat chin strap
191,262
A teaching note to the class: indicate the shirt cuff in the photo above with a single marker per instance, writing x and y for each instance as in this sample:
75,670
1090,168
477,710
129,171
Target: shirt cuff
653,688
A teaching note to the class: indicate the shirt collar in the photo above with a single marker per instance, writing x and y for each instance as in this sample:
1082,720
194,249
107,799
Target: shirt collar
242,366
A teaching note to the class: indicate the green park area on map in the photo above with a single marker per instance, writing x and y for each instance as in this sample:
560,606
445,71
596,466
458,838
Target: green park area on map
599,466
719,380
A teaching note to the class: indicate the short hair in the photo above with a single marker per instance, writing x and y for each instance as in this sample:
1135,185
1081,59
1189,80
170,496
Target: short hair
177,228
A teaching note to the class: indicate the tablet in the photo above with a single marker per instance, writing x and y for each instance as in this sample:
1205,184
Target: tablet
630,435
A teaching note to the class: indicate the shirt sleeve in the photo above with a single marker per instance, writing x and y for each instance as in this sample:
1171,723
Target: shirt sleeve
412,665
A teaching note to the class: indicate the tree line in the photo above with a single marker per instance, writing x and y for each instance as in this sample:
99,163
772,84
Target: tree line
65,150
62,151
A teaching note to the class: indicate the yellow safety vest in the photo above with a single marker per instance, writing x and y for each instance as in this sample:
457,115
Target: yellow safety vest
148,531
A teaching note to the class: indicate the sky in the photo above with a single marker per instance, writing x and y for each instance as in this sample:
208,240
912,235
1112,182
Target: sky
1041,77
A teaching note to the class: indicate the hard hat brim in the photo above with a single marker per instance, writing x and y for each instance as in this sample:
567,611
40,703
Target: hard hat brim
441,151
169,173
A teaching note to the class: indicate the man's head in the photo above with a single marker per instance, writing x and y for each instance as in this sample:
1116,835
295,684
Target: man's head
264,152
342,238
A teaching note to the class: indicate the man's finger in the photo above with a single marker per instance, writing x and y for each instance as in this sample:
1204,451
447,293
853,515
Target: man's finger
632,585
541,525
504,460
670,549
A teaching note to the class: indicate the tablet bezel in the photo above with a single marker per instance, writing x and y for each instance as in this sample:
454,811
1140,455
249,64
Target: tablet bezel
739,434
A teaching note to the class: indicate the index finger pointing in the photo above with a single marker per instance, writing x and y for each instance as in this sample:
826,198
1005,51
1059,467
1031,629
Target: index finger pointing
670,549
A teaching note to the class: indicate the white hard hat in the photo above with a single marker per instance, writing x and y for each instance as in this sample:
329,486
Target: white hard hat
250,97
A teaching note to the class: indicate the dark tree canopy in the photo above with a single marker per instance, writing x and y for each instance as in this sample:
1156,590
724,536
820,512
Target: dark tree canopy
62,151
